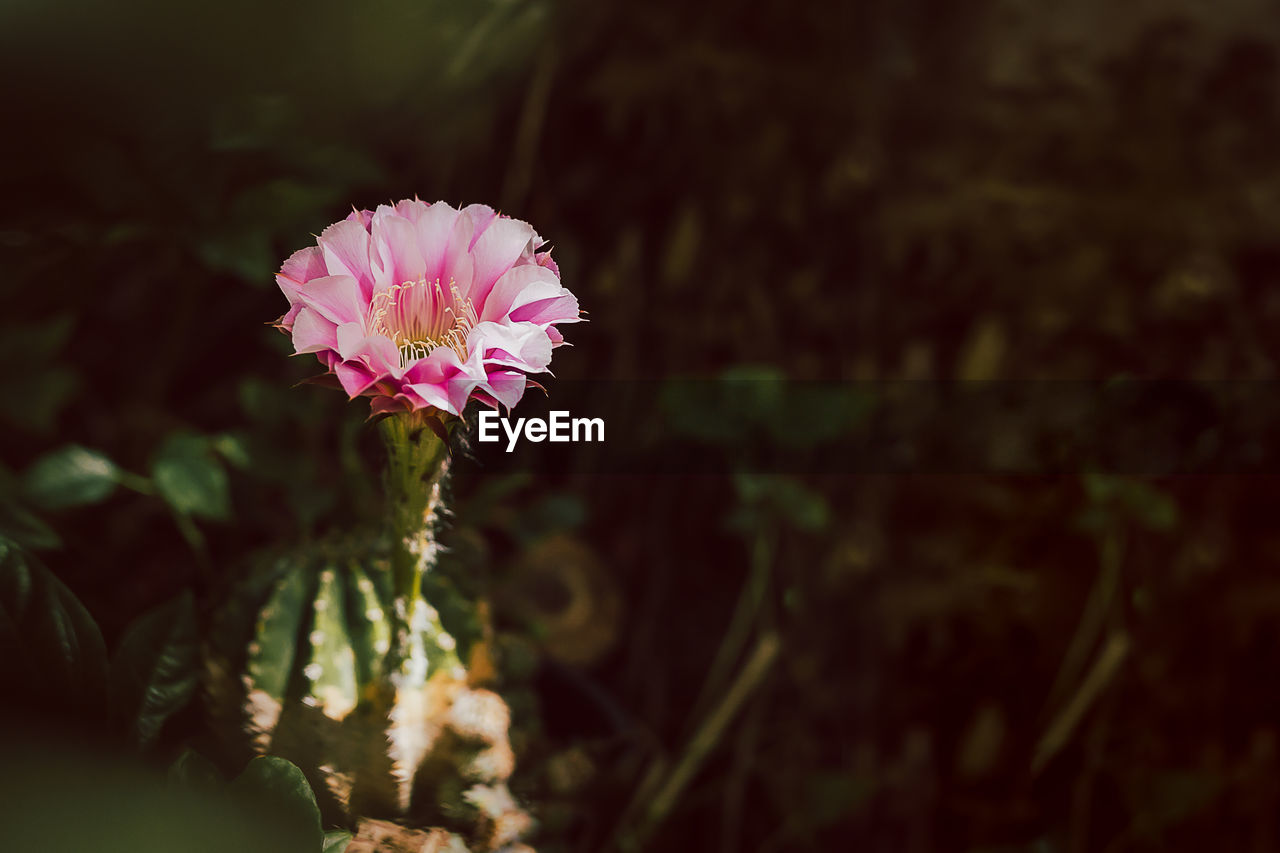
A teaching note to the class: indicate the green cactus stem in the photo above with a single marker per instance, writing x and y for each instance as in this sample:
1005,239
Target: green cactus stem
337,657
416,475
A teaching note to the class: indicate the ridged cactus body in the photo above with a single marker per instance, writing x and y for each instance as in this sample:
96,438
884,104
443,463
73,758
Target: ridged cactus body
337,657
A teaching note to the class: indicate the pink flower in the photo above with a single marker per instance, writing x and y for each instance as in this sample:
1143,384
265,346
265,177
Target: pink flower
421,306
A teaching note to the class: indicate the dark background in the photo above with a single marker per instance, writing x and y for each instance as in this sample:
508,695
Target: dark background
756,203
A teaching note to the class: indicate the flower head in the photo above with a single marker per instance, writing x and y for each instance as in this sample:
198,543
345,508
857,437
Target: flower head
423,306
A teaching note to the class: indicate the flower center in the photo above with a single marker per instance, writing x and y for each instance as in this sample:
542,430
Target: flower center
419,316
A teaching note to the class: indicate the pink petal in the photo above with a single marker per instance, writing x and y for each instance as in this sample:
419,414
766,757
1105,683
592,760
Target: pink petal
412,209
520,286
544,259
336,297
389,405
346,252
304,265
289,288
457,264
443,381
496,250
557,309
506,386
482,215
363,217
375,351
286,320
434,227
355,377
395,244
432,394
520,345
313,333
350,337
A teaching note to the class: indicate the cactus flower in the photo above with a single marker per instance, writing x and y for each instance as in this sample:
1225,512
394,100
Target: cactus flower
422,306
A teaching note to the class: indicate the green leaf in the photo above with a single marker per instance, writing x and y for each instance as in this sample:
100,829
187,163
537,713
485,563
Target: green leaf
800,505
1113,499
33,401
70,476
336,840
60,798
262,402
190,478
38,342
232,447
765,496
193,770
24,528
277,786
1150,507
49,643
156,668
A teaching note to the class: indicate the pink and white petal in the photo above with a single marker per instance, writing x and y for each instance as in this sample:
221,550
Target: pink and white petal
484,398
395,242
346,252
336,297
557,309
350,338
432,367
524,346
304,265
289,288
363,217
354,377
376,352
434,227
432,394
313,333
544,259
286,319
382,356
412,209
519,286
444,380
457,266
482,216
496,251
460,388
506,386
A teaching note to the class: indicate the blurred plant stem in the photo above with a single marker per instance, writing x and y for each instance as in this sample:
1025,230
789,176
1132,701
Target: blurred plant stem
1093,619
736,787
195,540
665,781
1099,607
745,615
670,785
135,482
